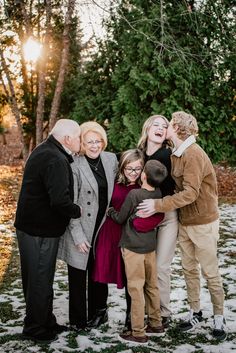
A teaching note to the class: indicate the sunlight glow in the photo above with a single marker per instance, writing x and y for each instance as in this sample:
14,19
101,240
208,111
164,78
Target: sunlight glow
32,50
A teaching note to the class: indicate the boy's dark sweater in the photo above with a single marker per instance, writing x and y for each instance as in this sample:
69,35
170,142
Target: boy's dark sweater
131,239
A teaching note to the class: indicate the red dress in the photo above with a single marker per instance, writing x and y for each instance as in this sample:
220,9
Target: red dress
108,265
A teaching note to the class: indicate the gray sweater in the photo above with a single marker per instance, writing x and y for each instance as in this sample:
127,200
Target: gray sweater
131,239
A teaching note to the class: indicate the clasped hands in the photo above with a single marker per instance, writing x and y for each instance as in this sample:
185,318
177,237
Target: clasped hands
146,208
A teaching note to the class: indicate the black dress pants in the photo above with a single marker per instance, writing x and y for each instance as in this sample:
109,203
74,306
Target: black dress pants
38,260
85,295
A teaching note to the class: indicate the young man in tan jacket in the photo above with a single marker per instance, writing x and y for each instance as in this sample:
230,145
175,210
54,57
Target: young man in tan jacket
197,201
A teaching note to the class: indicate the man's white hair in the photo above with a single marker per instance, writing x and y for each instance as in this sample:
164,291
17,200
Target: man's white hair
64,127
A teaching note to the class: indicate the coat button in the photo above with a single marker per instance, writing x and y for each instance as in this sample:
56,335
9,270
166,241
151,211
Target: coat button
89,214
88,203
89,192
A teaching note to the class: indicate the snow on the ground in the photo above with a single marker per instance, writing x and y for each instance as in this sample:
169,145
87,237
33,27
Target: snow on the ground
107,338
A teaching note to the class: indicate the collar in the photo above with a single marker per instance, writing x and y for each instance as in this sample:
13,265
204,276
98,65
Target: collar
62,148
180,150
67,149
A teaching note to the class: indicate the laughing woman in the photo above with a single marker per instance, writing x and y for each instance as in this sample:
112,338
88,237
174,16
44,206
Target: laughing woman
94,173
154,146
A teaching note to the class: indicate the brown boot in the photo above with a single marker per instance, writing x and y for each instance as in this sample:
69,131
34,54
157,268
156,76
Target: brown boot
134,339
155,331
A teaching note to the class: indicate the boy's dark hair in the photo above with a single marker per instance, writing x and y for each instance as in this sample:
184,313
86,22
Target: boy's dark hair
155,172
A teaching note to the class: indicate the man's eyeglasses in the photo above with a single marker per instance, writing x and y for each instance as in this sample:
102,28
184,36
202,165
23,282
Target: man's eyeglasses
135,170
96,142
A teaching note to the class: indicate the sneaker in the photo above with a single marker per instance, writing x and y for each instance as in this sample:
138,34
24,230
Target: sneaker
166,321
134,339
192,320
155,331
218,331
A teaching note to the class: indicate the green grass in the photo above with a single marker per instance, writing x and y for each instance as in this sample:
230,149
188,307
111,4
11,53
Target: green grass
7,313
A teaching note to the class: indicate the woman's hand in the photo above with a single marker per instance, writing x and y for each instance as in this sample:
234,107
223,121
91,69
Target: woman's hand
108,212
84,247
146,208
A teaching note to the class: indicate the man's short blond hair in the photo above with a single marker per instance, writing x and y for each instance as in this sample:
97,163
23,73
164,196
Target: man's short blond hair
92,126
187,124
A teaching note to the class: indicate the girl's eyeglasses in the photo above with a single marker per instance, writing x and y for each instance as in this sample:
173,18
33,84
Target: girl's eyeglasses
136,170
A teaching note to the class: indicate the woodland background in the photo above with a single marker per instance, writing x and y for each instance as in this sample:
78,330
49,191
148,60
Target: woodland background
154,57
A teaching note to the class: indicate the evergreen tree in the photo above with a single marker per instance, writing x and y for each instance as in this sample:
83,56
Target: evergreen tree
161,57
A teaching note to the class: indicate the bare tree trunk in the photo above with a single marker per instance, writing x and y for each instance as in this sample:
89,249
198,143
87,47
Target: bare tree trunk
42,78
13,104
64,63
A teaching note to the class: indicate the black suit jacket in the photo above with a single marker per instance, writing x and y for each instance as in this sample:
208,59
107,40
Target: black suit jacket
45,204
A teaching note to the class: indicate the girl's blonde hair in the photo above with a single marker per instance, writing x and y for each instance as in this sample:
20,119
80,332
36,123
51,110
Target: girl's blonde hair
142,143
92,126
127,157
187,124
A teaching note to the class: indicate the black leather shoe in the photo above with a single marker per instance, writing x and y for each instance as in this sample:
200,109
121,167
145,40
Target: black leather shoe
46,337
99,318
60,328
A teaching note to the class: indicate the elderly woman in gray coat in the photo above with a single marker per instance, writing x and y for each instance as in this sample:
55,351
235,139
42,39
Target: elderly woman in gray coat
94,173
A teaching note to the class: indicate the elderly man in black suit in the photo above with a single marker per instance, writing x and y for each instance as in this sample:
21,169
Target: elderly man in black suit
44,210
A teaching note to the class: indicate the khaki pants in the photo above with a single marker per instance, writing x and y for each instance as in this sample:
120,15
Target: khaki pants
141,276
198,245
166,244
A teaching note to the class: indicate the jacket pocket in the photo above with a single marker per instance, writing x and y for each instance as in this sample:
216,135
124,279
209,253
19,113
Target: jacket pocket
189,212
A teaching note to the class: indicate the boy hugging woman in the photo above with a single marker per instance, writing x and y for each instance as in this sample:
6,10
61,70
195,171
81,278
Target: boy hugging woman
138,247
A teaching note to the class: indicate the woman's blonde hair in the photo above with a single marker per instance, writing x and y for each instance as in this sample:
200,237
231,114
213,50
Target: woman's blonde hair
187,124
127,157
142,143
92,126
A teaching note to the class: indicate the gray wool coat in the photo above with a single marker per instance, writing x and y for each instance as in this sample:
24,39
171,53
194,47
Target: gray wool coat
86,196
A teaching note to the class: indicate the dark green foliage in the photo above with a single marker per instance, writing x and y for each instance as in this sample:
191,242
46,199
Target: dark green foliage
94,89
159,60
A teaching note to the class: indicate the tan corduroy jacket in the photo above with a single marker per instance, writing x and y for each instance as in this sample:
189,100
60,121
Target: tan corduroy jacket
196,186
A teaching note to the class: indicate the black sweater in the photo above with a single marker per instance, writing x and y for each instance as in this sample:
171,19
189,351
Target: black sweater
45,204
163,155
